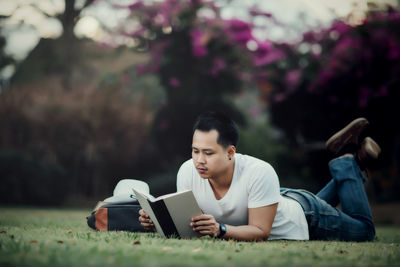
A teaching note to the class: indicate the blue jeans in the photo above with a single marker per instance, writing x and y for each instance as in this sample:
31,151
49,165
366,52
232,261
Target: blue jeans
325,222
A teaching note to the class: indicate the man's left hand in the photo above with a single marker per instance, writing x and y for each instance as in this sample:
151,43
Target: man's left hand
205,224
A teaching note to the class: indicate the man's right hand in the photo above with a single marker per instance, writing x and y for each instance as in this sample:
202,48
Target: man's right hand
145,221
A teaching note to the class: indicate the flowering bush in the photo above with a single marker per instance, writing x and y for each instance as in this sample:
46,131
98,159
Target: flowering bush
312,87
336,74
201,60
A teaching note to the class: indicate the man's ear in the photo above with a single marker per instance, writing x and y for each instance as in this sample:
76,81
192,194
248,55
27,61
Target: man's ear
231,151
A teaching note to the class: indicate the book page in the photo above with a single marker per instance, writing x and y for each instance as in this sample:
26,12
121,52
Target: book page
143,201
182,207
168,195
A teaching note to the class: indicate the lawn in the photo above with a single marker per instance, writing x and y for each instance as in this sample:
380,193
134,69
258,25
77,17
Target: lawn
61,237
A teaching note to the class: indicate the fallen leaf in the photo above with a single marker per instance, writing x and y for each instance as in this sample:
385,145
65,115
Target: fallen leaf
196,249
166,248
283,246
33,241
136,243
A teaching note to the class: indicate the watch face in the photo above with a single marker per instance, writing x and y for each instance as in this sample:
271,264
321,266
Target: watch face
222,229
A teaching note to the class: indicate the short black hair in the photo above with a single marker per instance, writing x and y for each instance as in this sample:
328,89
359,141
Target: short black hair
227,129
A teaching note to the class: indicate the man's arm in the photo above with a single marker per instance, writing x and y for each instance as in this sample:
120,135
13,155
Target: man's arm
259,227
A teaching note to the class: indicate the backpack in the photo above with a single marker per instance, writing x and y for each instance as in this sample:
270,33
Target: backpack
116,217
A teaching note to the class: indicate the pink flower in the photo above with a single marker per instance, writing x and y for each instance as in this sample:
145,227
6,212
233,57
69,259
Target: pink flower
279,97
219,65
255,12
136,5
199,42
254,111
292,79
157,53
131,7
266,54
394,50
340,27
196,2
239,31
141,69
137,33
309,37
383,91
174,82
346,44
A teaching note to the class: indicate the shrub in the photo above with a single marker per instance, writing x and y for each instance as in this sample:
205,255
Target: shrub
92,134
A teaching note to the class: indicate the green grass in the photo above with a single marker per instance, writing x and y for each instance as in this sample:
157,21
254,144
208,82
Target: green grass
51,237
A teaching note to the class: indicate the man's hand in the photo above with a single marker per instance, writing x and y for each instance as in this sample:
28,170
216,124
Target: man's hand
145,221
205,224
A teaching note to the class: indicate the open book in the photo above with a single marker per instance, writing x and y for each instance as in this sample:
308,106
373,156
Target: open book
172,213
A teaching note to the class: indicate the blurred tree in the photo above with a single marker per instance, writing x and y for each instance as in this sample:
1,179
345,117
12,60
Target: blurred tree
5,60
26,181
78,141
336,75
61,56
202,61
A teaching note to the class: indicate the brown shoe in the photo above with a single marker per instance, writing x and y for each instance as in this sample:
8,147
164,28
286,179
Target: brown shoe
368,151
349,135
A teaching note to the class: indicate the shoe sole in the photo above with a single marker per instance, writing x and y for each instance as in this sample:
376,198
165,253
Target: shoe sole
348,135
371,148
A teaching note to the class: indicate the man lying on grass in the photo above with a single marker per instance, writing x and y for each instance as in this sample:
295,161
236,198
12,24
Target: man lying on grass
241,198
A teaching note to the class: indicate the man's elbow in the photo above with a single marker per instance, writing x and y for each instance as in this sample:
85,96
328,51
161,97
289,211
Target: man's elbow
264,235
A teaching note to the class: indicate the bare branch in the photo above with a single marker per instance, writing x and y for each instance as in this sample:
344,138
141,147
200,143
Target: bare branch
4,16
87,3
42,11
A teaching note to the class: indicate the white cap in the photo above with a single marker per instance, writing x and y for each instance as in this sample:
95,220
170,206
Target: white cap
123,190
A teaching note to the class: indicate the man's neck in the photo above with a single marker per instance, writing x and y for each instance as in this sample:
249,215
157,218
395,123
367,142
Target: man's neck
223,181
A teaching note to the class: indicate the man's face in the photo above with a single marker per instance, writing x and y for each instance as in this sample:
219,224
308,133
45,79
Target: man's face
210,158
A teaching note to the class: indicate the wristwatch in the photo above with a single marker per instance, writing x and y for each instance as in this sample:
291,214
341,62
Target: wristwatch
222,230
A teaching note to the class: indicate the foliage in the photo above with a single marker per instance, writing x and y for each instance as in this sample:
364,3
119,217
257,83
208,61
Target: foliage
289,163
91,135
312,88
340,72
201,59
4,59
47,237
27,181
335,75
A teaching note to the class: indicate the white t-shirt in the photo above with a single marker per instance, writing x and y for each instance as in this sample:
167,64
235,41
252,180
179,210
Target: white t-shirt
254,184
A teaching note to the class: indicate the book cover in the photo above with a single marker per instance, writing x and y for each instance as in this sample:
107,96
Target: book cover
172,213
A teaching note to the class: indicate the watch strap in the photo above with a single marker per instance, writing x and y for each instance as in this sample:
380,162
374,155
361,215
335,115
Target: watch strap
222,230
